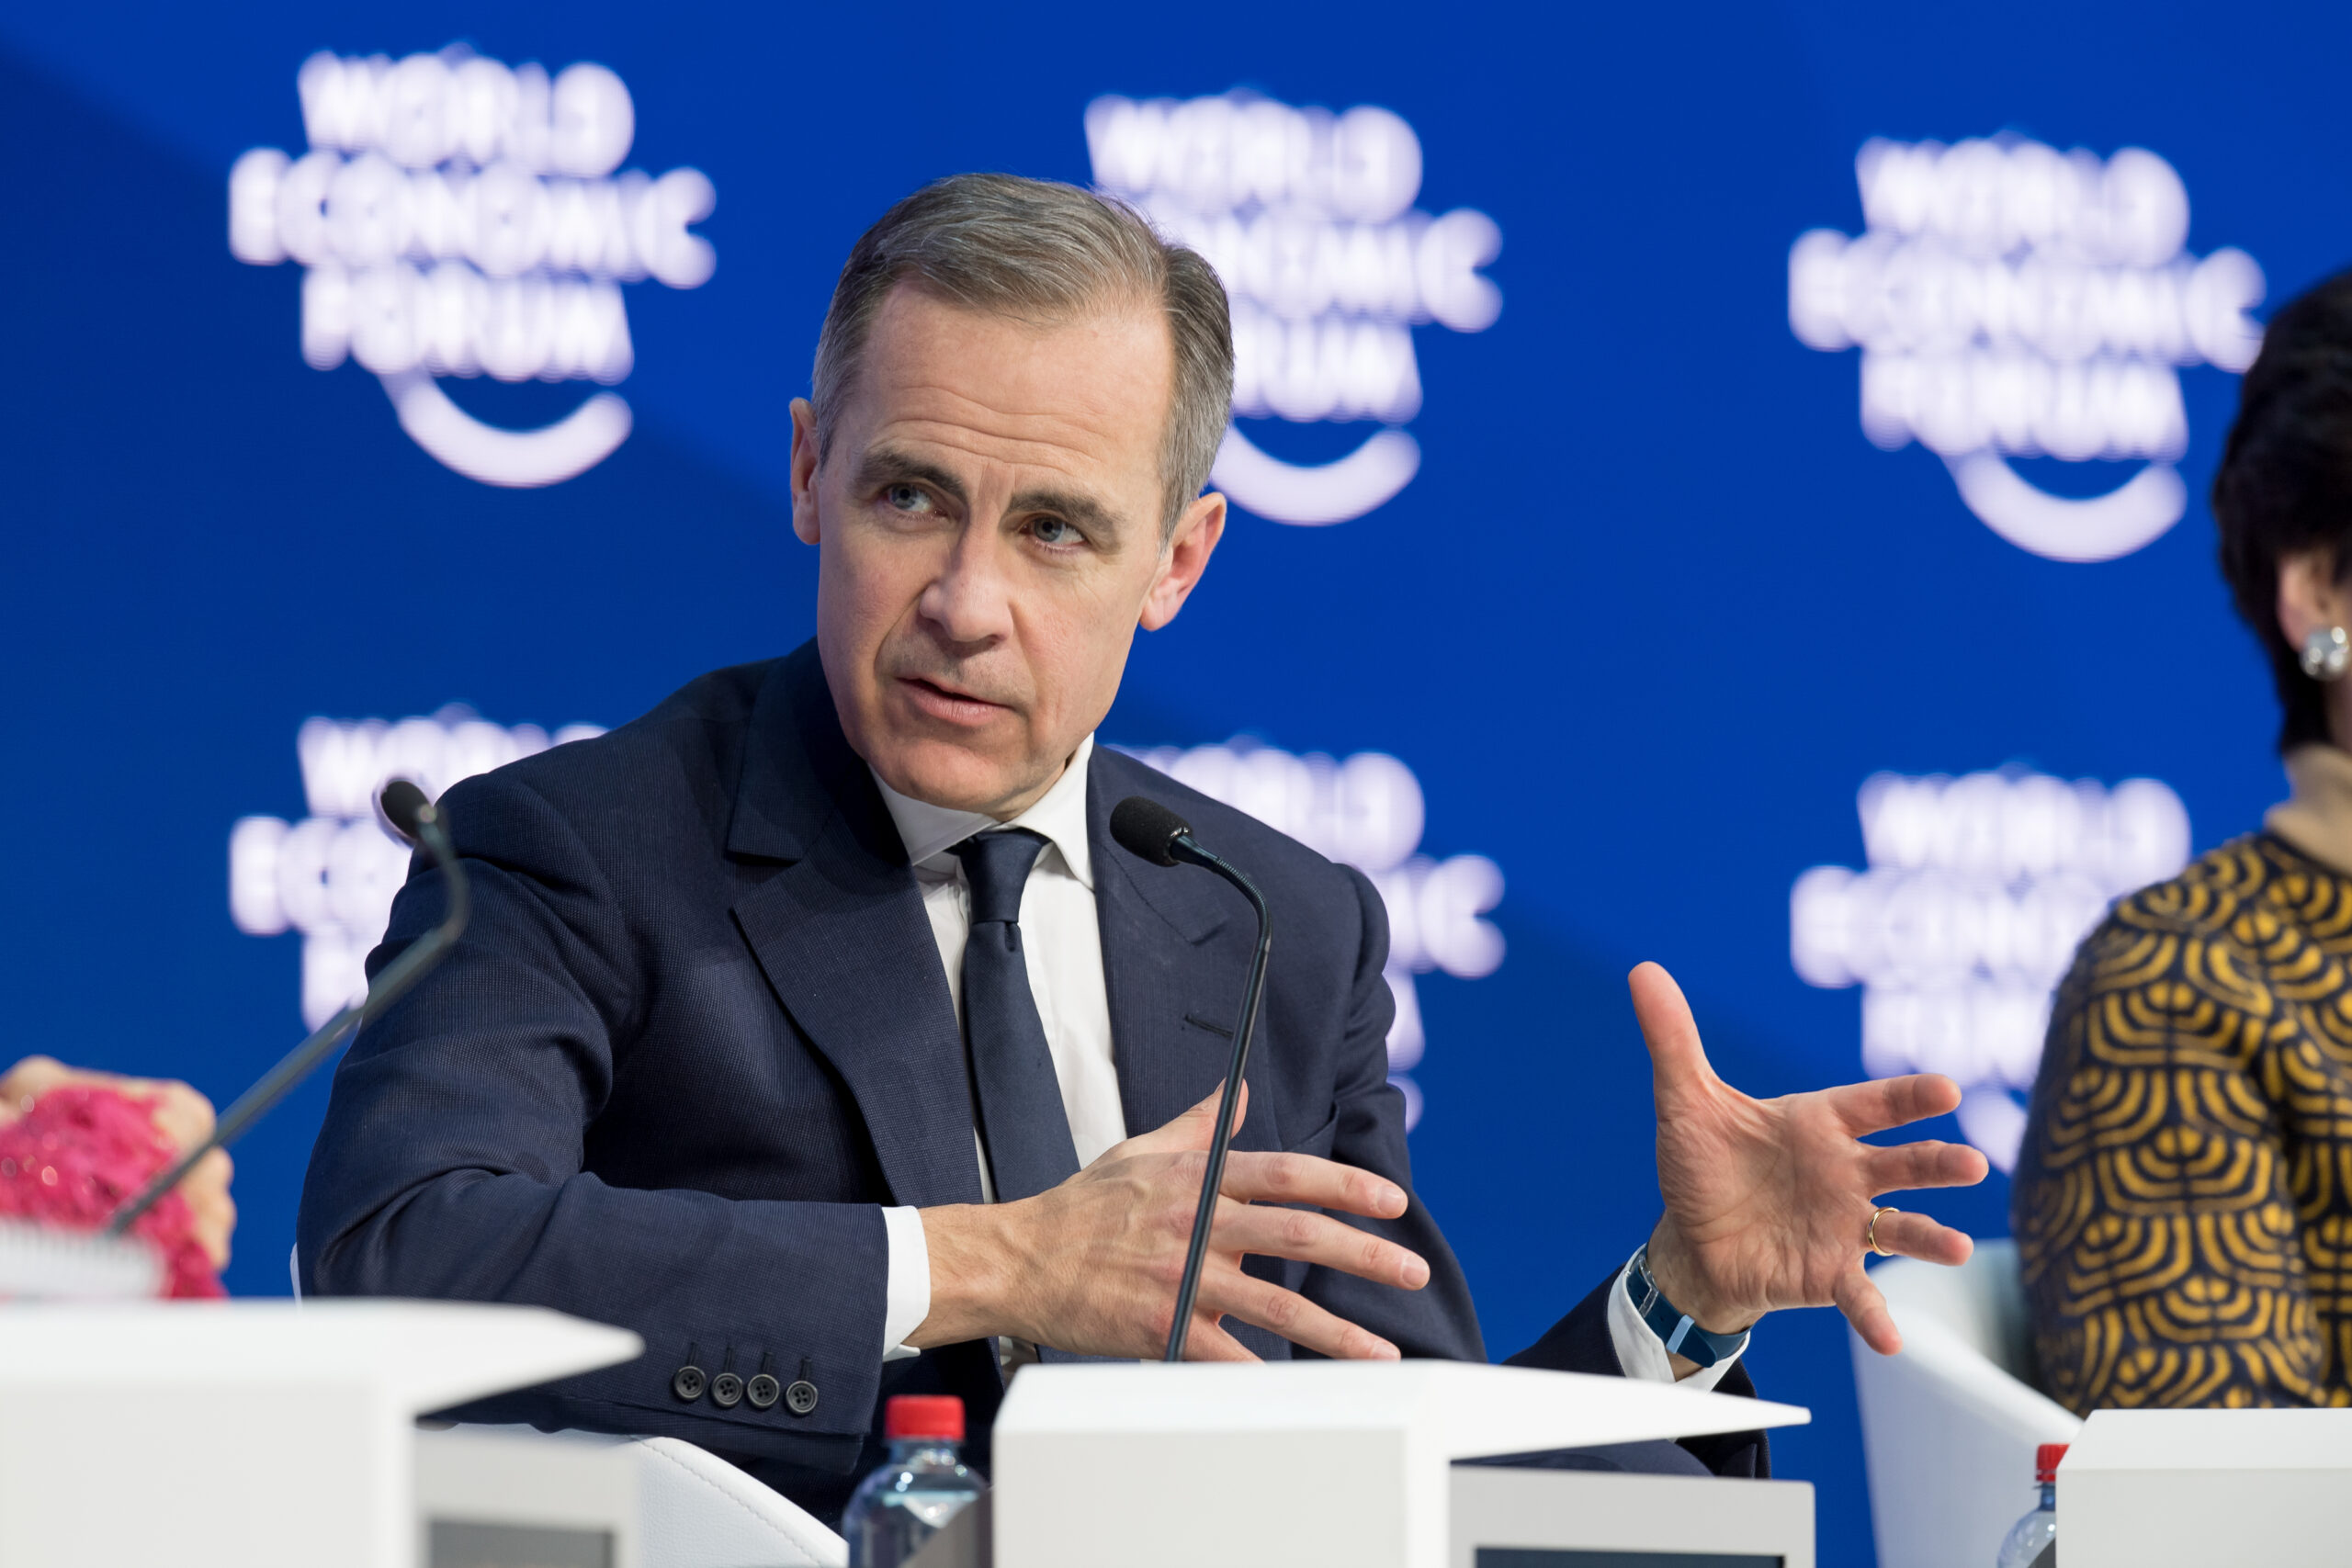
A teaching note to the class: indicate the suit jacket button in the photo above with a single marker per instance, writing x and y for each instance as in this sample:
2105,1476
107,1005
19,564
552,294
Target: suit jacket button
762,1392
687,1383
727,1391
801,1398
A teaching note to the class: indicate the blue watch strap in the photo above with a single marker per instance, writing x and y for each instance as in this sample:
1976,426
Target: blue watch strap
1669,1323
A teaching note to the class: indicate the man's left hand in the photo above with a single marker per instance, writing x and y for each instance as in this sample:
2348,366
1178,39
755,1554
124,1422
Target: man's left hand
1769,1202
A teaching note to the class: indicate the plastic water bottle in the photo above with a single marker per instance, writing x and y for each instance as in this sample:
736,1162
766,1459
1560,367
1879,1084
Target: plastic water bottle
2033,1540
924,1485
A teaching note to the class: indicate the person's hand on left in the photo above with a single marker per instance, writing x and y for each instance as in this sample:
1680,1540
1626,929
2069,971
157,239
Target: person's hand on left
180,1115
1768,1203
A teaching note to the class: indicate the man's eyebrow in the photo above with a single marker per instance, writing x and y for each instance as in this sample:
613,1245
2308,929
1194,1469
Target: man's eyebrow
1073,506
888,465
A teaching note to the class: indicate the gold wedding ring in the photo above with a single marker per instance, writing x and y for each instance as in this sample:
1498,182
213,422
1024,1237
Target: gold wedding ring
1870,1236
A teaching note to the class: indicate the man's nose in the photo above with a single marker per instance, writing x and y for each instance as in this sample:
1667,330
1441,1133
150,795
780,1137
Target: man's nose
970,600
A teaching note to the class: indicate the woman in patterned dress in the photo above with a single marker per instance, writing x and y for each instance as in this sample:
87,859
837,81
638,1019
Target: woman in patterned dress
2183,1202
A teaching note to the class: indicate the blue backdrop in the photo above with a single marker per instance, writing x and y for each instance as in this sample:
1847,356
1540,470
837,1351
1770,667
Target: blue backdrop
1652,605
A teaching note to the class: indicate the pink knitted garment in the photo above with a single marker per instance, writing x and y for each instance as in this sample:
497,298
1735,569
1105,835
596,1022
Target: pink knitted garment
81,1153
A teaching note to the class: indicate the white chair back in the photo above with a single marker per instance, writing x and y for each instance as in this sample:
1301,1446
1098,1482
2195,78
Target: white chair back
1950,1425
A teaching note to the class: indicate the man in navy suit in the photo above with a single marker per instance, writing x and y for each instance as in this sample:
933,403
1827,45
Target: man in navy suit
812,1026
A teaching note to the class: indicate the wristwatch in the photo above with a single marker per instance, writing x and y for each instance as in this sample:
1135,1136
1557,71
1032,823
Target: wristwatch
1671,1323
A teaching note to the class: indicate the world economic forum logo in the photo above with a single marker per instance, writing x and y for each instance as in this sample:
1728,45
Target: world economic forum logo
2014,302
1308,219
457,217
1976,892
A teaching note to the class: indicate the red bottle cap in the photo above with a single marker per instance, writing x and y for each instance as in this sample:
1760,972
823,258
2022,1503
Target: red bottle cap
924,1415
2045,1458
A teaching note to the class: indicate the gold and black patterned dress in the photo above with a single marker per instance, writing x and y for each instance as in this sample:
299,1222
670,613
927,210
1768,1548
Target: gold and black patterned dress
2183,1200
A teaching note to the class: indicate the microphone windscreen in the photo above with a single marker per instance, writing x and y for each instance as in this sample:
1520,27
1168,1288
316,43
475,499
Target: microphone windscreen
400,802
1145,830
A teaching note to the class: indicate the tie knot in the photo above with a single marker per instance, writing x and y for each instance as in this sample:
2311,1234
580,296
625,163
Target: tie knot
996,864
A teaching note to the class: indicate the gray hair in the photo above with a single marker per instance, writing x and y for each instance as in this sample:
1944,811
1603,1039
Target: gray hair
1038,251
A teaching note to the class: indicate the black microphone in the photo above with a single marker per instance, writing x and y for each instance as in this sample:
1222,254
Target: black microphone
416,819
405,809
1148,831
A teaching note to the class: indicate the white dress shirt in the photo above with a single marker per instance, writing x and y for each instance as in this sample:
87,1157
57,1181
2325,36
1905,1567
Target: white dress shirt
1061,941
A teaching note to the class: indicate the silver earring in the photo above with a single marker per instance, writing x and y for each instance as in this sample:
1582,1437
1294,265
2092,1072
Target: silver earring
2327,652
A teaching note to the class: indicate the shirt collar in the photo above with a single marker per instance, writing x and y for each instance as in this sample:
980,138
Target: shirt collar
1058,817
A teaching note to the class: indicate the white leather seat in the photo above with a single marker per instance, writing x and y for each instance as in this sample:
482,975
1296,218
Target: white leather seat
1950,1425
697,1511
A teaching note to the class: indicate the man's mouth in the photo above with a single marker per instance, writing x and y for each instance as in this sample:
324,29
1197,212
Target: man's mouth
945,701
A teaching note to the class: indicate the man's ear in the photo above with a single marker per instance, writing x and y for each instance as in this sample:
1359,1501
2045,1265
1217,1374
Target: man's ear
1183,560
804,464
2311,598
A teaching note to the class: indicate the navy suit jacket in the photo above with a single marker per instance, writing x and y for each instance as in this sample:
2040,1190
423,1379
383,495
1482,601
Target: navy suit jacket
698,1034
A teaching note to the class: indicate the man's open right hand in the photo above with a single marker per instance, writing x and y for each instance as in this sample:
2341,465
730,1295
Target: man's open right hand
1092,1266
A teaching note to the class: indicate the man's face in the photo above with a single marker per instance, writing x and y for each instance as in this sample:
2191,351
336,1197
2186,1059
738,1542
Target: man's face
989,521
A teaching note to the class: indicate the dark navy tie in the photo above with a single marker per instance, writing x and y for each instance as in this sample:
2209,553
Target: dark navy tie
1023,1125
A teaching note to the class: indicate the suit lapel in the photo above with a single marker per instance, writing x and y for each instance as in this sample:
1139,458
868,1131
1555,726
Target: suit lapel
1176,945
842,936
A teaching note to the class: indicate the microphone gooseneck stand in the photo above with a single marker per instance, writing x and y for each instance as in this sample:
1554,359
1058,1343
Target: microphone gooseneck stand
1148,831
416,819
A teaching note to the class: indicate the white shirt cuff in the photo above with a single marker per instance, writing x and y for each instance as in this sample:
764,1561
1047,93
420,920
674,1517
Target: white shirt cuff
906,1301
1640,1352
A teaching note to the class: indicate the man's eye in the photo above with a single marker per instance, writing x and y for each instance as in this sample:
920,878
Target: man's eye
1054,530
907,498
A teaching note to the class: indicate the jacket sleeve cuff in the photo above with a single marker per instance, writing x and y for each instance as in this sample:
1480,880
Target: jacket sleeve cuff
1640,1352
906,1299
